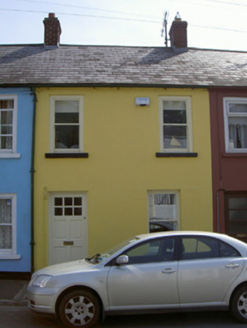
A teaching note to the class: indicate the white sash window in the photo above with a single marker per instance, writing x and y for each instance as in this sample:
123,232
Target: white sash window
235,112
8,226
175,124
8,125
163,210
66,124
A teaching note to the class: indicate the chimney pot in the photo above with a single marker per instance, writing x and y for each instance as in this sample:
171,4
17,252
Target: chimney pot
52,31
177,17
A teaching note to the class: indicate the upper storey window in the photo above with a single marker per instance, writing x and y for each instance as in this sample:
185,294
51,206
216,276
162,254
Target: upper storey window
8,125
66,124
235,112
175,124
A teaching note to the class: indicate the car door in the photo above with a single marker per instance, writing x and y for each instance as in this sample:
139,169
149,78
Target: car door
206,270
148,280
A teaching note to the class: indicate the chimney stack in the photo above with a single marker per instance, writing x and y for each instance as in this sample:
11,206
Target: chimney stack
178,34
52,32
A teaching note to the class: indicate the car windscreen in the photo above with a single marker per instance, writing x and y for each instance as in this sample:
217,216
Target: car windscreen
99,257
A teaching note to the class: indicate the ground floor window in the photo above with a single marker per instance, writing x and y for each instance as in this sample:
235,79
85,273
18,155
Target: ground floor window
163,212
7,224
236,215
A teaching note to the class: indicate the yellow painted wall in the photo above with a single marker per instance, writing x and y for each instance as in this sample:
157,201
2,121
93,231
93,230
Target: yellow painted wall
122,140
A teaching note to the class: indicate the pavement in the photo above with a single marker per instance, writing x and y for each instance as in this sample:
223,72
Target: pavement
13,292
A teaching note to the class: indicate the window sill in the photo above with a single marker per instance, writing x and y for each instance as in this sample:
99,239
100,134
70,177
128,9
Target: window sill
9,257
235,154
66,155
10,155
176,154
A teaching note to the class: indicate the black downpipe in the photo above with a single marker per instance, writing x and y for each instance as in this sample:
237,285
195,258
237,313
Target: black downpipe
32,171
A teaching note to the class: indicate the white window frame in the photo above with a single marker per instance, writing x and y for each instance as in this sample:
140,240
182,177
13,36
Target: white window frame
187,101
151,205
11,153
229,145
53,99
10,254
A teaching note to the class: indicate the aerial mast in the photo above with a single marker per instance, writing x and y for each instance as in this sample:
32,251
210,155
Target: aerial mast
164,29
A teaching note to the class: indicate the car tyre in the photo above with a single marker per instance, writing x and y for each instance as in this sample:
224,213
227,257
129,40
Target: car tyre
79,308
239,304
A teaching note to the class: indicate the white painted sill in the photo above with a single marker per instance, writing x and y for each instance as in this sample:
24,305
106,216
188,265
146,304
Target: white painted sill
10,155
10,257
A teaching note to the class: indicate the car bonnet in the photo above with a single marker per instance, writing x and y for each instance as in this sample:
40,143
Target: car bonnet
67,267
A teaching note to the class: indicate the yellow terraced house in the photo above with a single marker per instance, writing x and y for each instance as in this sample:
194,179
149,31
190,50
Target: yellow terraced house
120,149
106,167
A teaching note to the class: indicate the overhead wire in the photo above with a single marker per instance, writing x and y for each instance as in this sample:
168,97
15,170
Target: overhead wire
122,19
87,8
84,15
122,13
228,3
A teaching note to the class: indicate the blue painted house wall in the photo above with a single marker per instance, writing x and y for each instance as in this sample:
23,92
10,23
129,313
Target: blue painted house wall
15,179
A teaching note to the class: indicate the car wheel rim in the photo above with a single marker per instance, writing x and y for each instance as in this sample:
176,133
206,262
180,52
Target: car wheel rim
242,305
79,310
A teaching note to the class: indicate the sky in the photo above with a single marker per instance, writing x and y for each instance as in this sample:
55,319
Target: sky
212,24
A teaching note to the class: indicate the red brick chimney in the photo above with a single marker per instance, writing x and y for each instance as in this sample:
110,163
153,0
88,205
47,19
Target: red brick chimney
52,31
178,34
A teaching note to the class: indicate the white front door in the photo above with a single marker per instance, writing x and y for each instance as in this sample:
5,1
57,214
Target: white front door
68,228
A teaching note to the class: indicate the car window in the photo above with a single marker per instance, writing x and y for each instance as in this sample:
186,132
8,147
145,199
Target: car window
199,248
156,250
227,250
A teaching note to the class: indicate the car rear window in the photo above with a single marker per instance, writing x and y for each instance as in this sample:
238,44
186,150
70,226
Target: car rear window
198,247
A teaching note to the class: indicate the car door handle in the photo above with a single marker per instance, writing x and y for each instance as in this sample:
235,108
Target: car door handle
232,265
168,271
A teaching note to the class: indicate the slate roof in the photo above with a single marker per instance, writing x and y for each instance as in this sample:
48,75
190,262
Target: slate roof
22,65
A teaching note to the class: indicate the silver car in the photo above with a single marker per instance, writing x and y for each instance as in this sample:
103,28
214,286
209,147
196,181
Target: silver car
158,272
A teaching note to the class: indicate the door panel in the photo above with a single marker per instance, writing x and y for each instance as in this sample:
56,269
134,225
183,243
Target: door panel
206,269
206,281
149,280
68,227
143,285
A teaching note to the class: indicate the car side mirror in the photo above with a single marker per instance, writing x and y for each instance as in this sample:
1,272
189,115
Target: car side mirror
122,259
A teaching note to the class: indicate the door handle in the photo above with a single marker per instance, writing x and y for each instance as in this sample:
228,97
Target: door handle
168,271
232,265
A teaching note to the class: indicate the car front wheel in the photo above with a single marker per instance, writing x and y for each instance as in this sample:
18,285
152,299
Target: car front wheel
79,308
239,304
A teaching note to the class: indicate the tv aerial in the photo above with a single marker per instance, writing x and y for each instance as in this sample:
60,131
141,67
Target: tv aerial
164,28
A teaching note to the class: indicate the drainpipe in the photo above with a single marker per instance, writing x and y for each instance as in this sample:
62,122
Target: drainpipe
218,207
32,171
218,212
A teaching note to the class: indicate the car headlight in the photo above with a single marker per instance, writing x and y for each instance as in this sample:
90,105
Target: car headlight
41,281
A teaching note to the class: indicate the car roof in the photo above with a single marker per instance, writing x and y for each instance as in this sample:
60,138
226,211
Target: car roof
178,233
